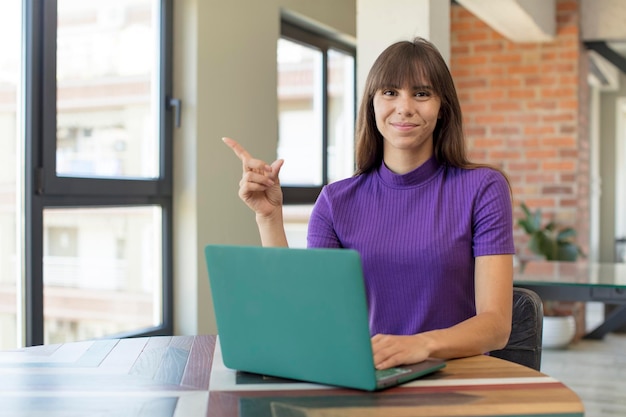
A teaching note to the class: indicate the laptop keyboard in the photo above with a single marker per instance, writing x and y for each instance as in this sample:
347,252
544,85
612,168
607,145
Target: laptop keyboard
386,373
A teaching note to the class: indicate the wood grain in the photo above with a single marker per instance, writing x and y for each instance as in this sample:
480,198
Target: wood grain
170,377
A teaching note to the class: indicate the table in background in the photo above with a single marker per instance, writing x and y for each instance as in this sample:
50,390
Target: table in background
171,376
579,281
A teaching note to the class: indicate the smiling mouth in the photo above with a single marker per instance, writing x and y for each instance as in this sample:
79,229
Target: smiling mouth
404,126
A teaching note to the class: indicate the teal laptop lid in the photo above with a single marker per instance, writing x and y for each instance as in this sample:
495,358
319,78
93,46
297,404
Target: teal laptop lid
296,313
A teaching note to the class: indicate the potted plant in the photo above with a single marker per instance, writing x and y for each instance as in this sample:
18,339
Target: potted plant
549,241
554,243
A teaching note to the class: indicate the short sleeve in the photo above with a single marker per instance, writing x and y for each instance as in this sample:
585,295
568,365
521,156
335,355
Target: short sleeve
493,217
321,231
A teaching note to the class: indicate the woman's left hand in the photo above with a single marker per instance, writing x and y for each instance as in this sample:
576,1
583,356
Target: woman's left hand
390,350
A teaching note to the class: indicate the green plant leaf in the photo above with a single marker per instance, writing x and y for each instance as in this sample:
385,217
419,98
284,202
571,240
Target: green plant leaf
566,234
526,225
534,245
531,222
550,241
536,219
542,245
567,252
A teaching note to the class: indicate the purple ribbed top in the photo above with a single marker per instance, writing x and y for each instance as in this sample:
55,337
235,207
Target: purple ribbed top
418,235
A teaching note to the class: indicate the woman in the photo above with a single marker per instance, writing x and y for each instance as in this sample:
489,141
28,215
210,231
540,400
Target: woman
434,230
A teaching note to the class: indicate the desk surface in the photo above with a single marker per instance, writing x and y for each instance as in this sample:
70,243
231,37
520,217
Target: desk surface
172,376
580,273
579,281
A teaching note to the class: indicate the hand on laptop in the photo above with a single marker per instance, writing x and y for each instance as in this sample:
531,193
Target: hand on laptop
259,187
390,350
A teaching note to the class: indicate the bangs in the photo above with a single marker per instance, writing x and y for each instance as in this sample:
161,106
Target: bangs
402,70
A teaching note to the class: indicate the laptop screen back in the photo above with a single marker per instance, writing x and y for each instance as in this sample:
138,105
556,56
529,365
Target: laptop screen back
292,313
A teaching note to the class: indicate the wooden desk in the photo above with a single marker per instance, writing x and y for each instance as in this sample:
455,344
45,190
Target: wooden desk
171,376
579,281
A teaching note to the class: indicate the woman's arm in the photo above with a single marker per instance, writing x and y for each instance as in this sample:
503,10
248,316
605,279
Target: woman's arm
488,330
260,189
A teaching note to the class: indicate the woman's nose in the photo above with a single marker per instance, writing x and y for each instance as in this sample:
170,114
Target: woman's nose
404,106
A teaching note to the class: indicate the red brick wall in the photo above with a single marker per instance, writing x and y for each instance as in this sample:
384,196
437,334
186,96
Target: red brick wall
525,109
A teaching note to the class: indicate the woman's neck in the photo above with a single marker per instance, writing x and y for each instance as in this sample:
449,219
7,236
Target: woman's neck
401,163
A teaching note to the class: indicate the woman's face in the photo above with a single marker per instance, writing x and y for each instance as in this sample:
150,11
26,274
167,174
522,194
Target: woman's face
406,117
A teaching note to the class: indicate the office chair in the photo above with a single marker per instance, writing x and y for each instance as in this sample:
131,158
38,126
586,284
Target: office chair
524,345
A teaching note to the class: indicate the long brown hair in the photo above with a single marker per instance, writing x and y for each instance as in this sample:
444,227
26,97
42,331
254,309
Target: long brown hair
412,63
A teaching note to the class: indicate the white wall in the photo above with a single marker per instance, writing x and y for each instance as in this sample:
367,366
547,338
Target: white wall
603,19
380,23
608,137
225,75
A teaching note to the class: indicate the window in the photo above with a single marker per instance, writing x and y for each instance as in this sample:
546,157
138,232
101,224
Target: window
316,96
11,166
97,186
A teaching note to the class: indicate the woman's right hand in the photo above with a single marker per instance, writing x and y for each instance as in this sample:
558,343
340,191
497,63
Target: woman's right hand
259,187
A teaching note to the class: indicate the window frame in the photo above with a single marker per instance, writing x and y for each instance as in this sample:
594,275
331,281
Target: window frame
308,36
44,189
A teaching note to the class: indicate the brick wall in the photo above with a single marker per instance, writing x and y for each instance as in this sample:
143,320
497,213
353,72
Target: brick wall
525,108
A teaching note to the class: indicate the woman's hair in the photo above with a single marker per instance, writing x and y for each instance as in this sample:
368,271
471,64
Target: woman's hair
411,63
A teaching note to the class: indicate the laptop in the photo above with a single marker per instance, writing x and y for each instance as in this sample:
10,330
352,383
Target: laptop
299,314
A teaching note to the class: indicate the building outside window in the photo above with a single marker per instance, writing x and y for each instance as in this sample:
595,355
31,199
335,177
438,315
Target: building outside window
316,99
11,143
85,178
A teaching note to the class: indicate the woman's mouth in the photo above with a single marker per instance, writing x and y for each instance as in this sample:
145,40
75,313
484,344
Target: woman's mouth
404,126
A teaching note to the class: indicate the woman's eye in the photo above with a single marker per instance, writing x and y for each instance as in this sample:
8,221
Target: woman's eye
388,92
423,95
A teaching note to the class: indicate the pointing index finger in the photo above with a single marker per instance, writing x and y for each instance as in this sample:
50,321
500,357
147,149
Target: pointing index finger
239,150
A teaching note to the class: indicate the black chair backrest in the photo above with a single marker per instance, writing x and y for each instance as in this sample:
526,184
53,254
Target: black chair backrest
524,345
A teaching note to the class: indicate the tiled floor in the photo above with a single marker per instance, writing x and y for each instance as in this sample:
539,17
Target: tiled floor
595,370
